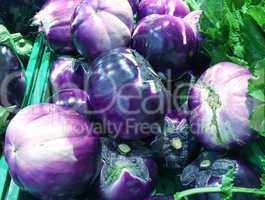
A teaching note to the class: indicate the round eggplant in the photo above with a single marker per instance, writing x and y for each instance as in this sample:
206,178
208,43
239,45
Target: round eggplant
208,170
52,152
220,106
12,79
67,73
176,145
128,96
127,174
167,42
101,25
54,20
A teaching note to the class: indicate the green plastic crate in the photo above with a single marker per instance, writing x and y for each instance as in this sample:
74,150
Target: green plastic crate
39,63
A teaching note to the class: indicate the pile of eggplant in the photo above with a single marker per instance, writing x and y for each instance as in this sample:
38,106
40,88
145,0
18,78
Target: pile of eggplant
126,102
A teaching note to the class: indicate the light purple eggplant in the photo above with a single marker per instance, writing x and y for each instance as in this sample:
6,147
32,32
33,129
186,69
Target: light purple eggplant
54,20
220,106
176,8
67,72
127,176
52,152
101,25
168,42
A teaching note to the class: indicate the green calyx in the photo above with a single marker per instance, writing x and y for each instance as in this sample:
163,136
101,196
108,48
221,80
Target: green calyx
115,169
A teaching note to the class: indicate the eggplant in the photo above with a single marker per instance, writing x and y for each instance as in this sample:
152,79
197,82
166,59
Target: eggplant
67,73
57,155
54,20
168,42
176,145
101,25
127,174
127,94
12,79
220,107
208,170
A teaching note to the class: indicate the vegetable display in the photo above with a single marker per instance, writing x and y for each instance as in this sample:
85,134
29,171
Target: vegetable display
133,100
220,106
176,8
210,169
67,72
126,175
101,25
11,78
55,154
167,42
54,20
127,94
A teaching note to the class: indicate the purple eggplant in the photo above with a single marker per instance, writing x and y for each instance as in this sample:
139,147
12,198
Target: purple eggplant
220,106
101,25
176,8
12,79
67,72
127,174
208,170
74,99
127,94
52,152
176,145
54,19
167,42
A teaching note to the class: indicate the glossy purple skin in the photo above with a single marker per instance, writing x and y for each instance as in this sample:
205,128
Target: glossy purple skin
134,4
198,174
66,73
135,180
52,151
177,146
167,42
11,78
176,8
74,99
54,19
220,106
101,25
120,85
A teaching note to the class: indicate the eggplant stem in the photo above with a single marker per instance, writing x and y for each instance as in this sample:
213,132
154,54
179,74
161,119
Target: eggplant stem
189,192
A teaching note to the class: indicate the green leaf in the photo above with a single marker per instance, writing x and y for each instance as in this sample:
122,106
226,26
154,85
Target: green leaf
4,114
257,119
15,41
257,86
257,12
227,184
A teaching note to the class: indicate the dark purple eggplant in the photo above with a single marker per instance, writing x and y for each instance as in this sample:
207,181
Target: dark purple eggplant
176,145
12,81
208,170
128,95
